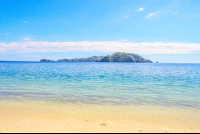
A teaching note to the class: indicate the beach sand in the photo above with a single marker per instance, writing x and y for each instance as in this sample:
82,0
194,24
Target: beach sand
32,116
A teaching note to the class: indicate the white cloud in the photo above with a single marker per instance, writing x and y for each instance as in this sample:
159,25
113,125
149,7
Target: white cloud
151,14
141,9
175,12
126,16
25,22
100,46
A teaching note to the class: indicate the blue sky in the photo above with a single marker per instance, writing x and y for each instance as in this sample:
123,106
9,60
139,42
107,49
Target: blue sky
160,30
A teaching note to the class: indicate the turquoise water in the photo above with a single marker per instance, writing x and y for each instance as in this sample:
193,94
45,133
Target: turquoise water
174,85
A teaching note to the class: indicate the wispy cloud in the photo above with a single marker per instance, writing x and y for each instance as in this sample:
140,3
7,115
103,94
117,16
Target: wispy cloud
141,9
100,46
126,16
25,21
124,40
7,33
151,14
26,39
175,12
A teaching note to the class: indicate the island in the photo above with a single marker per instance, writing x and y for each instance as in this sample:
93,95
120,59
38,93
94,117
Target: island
116,57
45,60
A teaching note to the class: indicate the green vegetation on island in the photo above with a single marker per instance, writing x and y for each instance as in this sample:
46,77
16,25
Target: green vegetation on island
89,59
45,60
116,57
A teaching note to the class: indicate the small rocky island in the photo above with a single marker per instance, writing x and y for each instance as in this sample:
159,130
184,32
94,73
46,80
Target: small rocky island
45,60
116,57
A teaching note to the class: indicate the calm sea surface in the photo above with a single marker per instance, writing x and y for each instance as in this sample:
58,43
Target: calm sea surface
171,85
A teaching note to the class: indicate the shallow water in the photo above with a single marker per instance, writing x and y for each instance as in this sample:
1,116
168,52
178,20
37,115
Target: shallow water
171,85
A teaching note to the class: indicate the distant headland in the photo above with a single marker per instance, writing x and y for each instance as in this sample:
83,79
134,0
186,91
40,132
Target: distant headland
116,57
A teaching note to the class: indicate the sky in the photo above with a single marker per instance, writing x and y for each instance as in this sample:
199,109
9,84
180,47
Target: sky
167,31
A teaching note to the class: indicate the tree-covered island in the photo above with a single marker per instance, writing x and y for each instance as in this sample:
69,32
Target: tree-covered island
116,57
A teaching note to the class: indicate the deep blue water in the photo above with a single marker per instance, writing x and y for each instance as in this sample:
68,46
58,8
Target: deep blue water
175,85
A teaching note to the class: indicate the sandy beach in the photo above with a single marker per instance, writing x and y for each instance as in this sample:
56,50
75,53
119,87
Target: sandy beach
55,117
79,127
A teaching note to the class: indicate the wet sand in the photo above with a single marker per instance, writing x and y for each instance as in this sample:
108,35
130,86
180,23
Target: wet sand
21,116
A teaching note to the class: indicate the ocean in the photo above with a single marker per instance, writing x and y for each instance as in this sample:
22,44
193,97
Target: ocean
122,85
172,85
